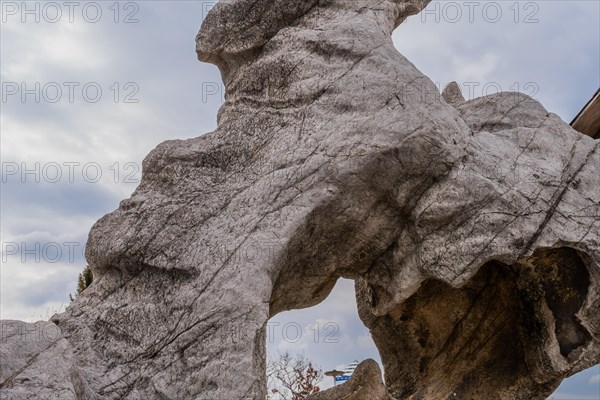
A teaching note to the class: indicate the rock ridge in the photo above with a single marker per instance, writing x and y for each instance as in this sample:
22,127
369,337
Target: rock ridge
470,227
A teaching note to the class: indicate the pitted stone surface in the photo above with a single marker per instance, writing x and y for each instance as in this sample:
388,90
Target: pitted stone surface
336,157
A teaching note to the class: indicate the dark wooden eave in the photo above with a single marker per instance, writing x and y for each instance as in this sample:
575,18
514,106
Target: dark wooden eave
588,119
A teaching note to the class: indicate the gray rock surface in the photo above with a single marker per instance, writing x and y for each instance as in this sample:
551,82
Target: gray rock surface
37,362
364,384
453,95
472,232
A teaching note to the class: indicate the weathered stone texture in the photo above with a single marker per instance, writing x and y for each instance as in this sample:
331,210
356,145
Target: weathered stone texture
471,228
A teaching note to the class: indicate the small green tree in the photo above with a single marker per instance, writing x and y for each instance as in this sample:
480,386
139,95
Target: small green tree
85,279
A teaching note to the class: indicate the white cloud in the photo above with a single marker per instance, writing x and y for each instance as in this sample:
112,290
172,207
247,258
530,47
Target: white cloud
33,291
594,380
32,50
508,53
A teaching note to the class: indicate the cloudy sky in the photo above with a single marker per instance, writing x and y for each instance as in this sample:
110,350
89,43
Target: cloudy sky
89,89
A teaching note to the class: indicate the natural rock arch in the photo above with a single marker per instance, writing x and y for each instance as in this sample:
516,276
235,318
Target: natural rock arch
335,157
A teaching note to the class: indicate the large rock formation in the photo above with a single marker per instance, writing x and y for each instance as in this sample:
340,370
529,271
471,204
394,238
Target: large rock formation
472,231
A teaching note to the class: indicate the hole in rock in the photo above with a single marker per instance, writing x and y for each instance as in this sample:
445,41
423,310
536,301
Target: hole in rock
483,337
329,334
488,334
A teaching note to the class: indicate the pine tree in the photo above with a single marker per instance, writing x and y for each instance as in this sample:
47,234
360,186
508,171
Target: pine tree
85,279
